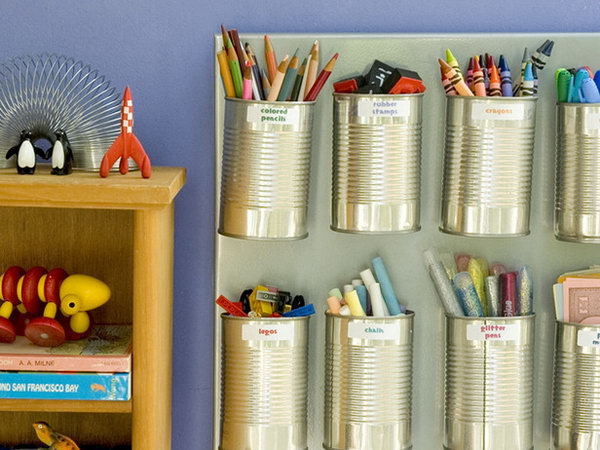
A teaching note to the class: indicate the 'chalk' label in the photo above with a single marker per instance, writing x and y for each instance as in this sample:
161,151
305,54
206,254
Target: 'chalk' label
269,114
492,332
498,111
260,332
374,331
592,121
383,108
588,338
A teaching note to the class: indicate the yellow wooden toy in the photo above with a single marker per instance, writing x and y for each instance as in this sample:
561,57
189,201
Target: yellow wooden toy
54,440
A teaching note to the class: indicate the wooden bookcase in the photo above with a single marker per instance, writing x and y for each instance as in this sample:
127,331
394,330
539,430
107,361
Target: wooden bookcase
118,229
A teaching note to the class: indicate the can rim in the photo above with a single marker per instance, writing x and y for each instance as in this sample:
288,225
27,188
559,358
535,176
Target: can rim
576,105
263,319
492,99
266,102
409,314
577,325
352,95
490,319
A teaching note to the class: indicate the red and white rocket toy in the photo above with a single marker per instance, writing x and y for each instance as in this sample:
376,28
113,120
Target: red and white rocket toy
126,145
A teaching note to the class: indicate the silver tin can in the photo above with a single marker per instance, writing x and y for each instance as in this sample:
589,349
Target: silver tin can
488,165
577,196
264,382
368,383
265,169
489,383
576,393
376,163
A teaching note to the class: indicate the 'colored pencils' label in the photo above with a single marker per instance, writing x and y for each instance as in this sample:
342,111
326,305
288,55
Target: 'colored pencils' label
592,121
500,332
588,338
383,108
498,111
261,332
269,114
374,331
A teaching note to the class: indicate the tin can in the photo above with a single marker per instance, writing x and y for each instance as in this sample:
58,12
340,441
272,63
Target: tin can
264,382
368,382
488,165
266,169
376,163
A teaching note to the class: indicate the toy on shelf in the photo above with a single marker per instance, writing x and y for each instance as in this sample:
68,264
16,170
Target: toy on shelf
54,440
127,145
62,154
26,151
71,296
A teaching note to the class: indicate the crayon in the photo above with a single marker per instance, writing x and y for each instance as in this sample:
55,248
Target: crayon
517,85
247,87
298,82
467,295
541,55
508,294
271,59
448,88
225,73
536,81
525,290
469,79
278,80
506,79
455,79
452,62
478,82
495,83
563,81
527,84
589,91
321,79
312,69
288,81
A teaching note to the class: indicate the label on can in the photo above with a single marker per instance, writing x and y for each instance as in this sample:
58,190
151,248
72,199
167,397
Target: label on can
374,331
588,338
383,108
266,332
592,121
498,111
269,114
500,332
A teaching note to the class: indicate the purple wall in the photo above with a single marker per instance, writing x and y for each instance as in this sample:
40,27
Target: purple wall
164,51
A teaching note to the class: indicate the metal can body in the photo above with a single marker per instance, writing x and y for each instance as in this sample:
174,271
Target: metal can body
376,163
576,391
368,383
489,383
577,191
265,169
264,381
488,163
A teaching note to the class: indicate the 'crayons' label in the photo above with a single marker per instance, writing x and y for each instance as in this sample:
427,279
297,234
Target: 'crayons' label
383,108
588,338
492,332
260,332
592,121
269,114
498,111
374,331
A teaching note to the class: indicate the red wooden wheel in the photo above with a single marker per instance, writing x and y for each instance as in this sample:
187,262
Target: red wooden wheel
21,321
45,332
10,281
29,290
52,285
7,331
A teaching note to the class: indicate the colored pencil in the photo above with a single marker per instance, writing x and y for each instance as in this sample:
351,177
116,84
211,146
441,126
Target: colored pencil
237,46
255,69
265,83
234,64
278,80
313,68
271,59
298,82
288,81
225,73
247,93
321,79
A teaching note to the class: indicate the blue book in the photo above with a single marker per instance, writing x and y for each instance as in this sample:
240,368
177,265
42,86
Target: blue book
65,386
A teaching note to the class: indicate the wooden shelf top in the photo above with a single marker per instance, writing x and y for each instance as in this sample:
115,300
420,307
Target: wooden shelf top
89,190
78,406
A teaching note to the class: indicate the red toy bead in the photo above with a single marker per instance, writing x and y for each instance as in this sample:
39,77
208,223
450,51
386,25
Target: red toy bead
10,282
29,290
52,286
7,331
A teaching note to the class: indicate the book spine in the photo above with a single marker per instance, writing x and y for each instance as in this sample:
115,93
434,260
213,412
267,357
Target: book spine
42,363
65,386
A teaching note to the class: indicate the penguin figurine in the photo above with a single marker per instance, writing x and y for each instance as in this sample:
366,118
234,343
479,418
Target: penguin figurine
62,154
25,152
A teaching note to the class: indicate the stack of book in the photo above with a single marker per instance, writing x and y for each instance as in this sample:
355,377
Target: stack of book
95,368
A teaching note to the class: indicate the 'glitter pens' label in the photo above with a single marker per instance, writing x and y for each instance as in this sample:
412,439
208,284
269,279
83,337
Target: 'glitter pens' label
383,108
374,331
266,332
492,332
588,338
281,115
498,111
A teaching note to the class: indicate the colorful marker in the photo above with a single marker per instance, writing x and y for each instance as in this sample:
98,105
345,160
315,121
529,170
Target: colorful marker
563,81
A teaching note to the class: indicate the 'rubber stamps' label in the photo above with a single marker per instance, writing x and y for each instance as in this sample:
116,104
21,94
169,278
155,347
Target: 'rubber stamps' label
592,121
266,332
383,108
374,330
498,111
269,114
588,338
492,332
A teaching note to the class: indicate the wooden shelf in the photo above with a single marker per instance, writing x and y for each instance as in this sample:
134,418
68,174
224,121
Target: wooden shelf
78,406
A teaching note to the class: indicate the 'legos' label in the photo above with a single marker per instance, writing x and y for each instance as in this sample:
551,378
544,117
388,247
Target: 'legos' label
270,114
588,338
492,332
266,332
383,108
592,121
374,331
498,111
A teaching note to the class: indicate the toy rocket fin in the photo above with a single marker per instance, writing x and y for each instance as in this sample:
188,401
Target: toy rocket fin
109,159
137,153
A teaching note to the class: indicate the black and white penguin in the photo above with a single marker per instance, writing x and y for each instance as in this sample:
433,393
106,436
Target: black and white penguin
62,154
25,152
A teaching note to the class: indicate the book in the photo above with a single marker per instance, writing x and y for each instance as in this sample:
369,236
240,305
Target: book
65,386
107,349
